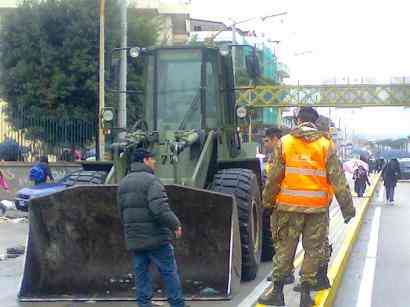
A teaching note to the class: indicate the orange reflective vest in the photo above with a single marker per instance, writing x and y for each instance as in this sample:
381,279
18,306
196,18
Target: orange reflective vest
305,183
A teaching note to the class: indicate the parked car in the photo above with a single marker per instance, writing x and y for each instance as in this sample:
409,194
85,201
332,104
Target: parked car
24,195
405,168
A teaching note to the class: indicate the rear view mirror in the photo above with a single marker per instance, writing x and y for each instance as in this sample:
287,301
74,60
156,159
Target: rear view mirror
246,66
252,66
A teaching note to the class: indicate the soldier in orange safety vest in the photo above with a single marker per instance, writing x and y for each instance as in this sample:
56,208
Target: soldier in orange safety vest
322,281
304,175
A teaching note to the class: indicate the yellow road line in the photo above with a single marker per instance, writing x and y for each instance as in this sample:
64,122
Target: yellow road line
325,298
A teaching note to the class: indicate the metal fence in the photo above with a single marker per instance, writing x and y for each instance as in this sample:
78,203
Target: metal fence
25,138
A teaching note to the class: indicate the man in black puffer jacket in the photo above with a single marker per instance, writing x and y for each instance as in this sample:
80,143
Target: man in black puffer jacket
149,226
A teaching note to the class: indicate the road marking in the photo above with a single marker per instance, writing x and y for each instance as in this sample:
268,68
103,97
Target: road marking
366,285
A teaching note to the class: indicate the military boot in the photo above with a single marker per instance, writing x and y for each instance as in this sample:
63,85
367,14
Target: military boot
289,279
305,299
275,297
322,279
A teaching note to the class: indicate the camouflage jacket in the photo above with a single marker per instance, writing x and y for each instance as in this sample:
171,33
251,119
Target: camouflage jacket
334,169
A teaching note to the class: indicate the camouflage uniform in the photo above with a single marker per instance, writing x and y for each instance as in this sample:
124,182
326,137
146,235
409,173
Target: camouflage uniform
323,124
290,225
327,249
312,223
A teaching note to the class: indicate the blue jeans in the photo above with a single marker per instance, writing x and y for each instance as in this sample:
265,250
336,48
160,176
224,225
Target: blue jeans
164,259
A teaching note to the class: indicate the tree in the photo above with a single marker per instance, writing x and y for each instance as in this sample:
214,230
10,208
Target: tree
49,60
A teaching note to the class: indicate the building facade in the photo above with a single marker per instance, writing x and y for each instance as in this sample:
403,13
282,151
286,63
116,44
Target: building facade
175,16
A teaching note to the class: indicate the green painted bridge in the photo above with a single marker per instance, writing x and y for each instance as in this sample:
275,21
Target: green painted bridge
341,96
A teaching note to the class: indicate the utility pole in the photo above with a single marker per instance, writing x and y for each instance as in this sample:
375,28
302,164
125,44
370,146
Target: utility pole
101,83
122,105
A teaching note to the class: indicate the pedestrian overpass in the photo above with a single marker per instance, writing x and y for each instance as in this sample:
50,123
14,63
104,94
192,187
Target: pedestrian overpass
335,95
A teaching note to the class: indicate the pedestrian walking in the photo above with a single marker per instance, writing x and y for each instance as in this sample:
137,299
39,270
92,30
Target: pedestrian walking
304,174
372,165
380,164
361,180
41,171
149,226
391,174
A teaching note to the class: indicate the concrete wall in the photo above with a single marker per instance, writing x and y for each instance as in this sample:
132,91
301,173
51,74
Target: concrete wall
16,174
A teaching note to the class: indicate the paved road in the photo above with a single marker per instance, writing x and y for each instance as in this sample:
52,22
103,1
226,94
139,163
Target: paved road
10,269
378,274
10,272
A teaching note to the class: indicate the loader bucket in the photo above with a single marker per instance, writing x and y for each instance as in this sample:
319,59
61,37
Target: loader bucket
76,250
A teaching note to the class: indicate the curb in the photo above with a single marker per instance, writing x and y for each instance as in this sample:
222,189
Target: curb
325,298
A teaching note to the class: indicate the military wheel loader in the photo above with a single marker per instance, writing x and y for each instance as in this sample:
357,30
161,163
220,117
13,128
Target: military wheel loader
75,247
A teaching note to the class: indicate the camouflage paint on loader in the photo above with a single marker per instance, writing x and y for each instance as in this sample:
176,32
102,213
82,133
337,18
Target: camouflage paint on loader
75,247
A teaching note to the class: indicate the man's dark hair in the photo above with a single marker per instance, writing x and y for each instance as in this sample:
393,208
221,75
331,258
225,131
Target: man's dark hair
140,154
308,115
273,132
44,159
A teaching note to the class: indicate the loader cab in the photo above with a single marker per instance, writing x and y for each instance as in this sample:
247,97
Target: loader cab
181,91
190,88
189,95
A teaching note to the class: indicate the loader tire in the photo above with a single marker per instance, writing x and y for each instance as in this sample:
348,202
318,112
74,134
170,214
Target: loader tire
85,177
268,251
242,183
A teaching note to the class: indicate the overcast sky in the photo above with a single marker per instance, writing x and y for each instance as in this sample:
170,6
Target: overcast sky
325,39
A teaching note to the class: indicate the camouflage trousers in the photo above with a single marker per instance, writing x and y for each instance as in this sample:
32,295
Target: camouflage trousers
327,247
324,258
313,228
